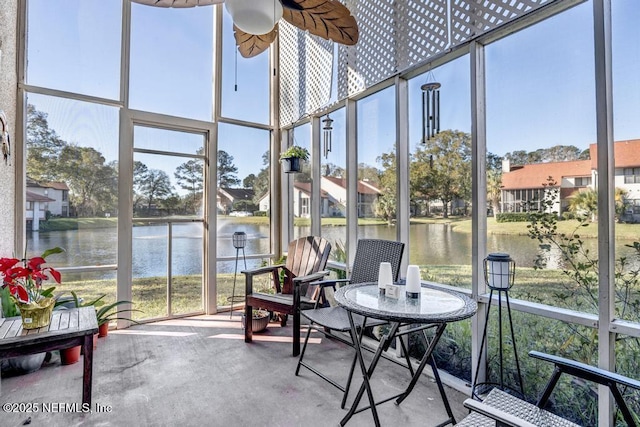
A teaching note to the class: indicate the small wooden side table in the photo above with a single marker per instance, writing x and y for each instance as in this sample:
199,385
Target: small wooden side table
68,328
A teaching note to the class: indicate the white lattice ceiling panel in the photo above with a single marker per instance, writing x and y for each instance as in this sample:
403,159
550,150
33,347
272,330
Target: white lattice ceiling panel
394,35
422,30
306,71
473,17
376,45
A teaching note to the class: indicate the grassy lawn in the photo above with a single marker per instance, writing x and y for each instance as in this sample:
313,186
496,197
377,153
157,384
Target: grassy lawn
63,224
150,294
623,231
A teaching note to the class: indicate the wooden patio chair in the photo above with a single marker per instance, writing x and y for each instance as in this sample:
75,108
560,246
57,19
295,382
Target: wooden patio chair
333,319
306,260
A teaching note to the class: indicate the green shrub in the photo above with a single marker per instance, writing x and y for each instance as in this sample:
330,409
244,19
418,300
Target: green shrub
259,213
512,217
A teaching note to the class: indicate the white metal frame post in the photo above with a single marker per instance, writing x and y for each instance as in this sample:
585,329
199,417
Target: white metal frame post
351,107
479,198
316,187
402,170
605,183
124,273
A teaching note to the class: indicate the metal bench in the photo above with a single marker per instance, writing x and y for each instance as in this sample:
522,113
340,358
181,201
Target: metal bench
502,409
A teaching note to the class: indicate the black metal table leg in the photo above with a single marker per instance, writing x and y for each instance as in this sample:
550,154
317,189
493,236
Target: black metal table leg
367,373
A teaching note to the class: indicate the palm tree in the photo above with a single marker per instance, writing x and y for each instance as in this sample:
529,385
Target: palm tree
585,202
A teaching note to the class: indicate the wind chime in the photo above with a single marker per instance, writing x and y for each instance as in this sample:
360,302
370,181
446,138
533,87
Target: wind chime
430,108
327,130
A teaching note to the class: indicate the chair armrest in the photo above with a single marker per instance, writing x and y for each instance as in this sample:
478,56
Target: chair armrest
309,277
330,282
584,371
496,414
262,270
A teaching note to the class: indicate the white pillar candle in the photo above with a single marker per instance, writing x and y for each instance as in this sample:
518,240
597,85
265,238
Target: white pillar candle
413,281
385,277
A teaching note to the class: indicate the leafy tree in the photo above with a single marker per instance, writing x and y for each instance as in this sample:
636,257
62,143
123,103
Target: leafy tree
248,181
227,171
190,177
420,177
557,153
451,171
140,171
329,169
43,147
368,173
494,181
561,153
261,183
385,207
155,186
93,184
173,202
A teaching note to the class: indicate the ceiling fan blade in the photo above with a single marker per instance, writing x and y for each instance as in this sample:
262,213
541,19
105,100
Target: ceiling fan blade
178,3
328,19
250,45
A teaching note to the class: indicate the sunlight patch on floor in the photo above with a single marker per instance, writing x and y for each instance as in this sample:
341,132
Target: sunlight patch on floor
263,338
152,333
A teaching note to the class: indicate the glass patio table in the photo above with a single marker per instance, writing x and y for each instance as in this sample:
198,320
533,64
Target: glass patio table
433,309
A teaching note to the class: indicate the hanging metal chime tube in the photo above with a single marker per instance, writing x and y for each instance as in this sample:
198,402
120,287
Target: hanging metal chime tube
430,110
327,131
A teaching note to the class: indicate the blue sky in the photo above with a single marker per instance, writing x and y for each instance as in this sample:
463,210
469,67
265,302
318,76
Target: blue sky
539,81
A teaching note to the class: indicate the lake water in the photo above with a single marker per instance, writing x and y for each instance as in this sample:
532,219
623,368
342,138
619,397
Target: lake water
431,244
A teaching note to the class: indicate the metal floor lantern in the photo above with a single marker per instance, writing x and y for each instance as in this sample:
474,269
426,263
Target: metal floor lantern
499,275
239,239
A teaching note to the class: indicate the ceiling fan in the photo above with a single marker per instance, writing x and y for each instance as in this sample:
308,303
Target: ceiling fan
256,21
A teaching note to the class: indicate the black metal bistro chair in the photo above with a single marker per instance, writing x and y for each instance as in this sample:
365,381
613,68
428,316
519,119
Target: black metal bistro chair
333,319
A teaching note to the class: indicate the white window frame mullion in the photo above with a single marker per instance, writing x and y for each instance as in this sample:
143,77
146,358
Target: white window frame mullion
124,273
351,113
478,199
402,169
605,186
316,187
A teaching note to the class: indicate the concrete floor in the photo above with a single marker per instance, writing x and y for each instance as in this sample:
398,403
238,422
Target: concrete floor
199,372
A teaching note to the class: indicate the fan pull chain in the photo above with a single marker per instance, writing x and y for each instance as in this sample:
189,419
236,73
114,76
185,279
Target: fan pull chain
235,71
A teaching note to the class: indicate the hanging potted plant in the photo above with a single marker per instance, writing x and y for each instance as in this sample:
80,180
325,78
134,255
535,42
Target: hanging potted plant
293,157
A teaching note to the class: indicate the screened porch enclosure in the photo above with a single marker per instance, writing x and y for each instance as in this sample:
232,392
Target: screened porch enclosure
143,141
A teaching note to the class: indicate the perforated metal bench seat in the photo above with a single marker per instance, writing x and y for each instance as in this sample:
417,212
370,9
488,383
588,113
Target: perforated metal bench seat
512,411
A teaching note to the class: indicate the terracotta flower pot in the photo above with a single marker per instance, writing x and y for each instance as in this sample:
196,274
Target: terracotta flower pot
69,356
103,330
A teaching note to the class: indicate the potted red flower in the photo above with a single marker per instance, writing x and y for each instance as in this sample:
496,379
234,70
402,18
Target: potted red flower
24,279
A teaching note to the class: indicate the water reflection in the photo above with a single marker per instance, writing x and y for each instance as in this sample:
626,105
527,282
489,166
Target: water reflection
431,244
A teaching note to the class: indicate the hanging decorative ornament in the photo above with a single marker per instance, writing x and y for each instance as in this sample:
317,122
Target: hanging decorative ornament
255,17
327,131
290,136
430,108
256,20
5,140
